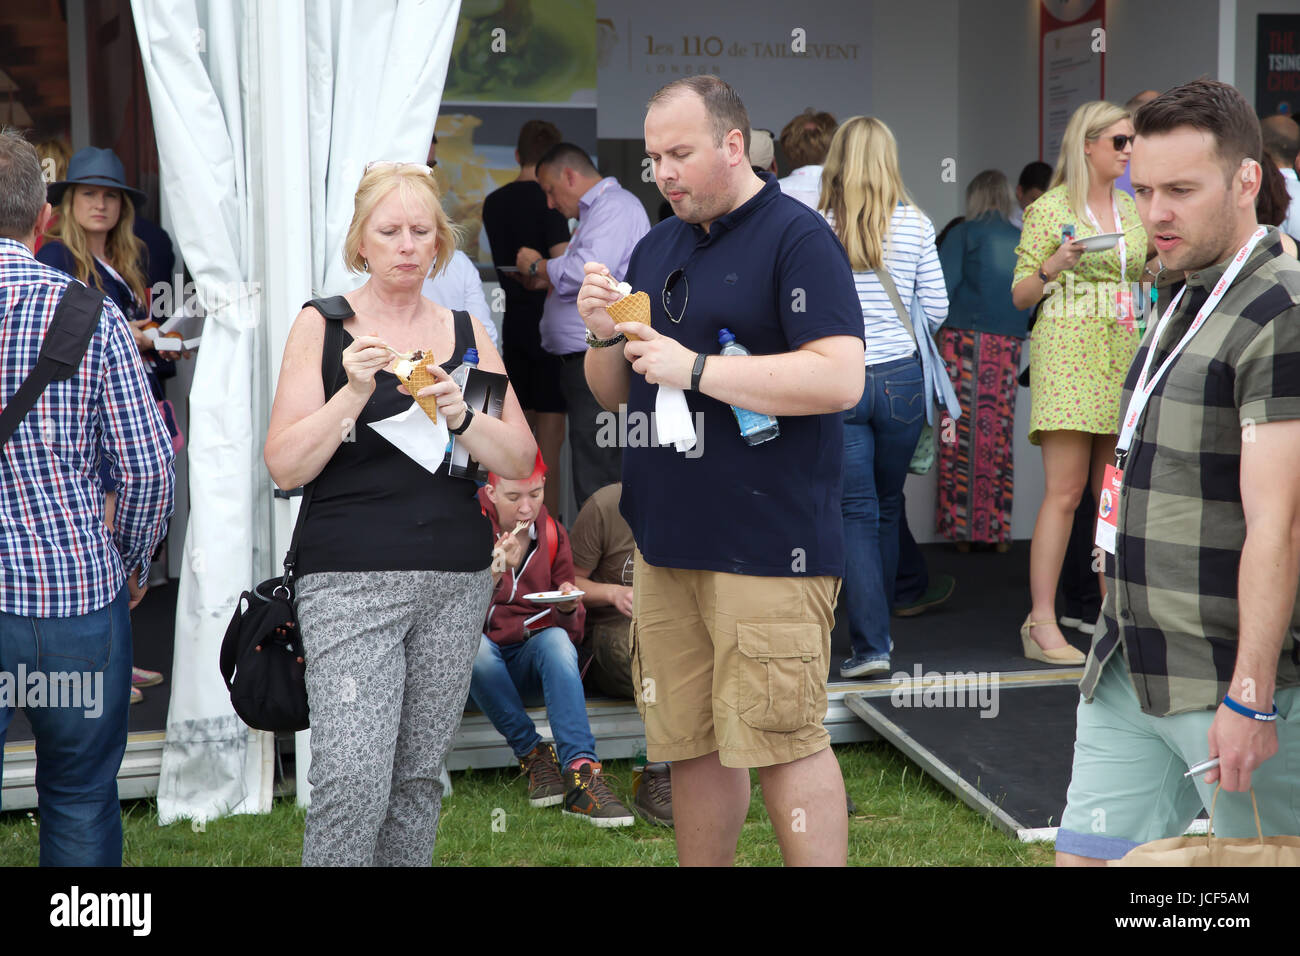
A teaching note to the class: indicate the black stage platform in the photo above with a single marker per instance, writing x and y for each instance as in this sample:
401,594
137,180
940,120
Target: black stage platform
976,630
1013,767
152,635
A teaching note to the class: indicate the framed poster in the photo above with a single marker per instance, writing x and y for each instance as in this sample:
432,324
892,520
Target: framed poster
1277,64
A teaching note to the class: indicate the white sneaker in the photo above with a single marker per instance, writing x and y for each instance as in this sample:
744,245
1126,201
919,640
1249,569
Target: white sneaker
1080,625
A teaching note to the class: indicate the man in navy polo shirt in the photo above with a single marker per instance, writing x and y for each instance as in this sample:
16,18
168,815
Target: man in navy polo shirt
739,547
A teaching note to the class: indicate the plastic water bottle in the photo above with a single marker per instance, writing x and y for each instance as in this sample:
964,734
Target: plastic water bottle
459,375
461,372
754,428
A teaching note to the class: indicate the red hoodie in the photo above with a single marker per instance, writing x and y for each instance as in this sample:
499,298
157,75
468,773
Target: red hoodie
509,614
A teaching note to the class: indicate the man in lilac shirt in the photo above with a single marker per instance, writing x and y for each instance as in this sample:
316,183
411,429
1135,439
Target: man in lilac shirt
610,223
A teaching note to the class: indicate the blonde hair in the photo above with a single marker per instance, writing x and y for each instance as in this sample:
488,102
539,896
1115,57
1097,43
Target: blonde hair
988,192
1088,123
59,152
861,188
121,247
412,182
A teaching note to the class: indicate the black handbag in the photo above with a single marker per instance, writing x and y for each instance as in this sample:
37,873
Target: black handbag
262,660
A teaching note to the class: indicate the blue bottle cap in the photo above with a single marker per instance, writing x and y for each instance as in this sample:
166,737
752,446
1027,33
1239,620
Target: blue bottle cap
471,357
725,336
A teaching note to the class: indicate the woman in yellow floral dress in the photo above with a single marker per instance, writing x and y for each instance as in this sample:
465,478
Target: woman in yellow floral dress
1082,343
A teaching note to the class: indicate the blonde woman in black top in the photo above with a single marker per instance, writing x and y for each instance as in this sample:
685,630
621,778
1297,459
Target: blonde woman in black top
393,561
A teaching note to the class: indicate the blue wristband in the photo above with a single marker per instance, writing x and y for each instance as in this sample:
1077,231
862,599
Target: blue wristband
1246,711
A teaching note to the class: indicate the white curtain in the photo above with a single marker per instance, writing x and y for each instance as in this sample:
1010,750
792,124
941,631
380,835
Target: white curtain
265,112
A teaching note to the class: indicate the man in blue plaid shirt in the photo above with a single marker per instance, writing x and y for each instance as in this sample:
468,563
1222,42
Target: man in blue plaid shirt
67,581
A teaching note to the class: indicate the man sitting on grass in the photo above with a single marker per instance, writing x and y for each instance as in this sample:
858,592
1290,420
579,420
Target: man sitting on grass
530,646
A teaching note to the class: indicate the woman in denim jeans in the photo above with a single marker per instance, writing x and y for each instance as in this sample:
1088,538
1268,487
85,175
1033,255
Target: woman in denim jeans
865,202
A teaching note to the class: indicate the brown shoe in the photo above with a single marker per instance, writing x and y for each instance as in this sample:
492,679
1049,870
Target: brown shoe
653,801
545,785
588,795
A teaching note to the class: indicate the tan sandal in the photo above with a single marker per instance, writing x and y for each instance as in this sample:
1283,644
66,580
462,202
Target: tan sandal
1064,656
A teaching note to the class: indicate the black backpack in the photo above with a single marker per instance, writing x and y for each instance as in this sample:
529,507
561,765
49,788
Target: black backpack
262,659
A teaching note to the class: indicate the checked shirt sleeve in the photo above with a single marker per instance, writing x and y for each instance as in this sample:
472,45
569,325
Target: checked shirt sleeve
137,446
1267,382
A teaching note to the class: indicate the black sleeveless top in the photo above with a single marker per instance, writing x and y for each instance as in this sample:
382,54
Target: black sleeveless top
374,509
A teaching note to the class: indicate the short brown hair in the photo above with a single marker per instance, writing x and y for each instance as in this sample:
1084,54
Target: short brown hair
1212,107
535,138
721,102
807,137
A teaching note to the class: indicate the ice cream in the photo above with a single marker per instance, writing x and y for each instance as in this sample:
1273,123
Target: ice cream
415,375
633,307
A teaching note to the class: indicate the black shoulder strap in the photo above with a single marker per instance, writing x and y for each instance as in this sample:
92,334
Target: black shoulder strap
465,339
335,310
75,319
335,307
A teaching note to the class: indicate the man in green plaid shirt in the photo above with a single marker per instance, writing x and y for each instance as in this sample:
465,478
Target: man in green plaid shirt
1199,655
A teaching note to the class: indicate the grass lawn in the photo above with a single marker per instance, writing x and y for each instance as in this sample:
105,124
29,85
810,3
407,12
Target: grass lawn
903,819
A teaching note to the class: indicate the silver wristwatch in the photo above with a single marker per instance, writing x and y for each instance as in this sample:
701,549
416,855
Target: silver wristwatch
595,343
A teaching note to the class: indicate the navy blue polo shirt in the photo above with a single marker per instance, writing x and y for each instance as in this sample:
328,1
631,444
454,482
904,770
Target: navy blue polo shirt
773,273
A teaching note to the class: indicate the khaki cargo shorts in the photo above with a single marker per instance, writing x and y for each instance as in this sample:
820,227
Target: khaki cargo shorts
731,662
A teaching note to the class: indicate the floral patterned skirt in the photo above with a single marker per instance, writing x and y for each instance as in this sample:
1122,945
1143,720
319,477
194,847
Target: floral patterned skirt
976,471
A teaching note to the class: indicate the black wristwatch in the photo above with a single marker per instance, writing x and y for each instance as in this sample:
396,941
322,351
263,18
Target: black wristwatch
697,371
464,422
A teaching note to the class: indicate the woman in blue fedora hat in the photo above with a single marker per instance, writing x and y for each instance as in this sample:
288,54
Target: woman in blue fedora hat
95,242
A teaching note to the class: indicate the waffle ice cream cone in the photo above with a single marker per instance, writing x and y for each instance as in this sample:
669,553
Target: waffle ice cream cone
414,374
631,308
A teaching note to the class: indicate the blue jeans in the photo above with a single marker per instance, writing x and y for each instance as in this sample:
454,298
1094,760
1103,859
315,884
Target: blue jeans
913,578
879,438
79,745
547,661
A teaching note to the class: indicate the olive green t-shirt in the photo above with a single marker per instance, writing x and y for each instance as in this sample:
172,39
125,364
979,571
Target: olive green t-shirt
602,541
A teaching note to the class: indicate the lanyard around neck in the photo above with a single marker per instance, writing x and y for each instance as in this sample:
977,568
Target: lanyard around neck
1143,388
1119,225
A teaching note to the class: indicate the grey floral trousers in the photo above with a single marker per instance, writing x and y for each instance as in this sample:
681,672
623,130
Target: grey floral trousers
389,656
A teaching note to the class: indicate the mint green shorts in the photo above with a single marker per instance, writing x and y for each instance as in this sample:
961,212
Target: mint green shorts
1127,786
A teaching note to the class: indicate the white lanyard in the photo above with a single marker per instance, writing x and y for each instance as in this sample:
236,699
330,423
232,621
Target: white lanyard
1119,225
1142,389
116,275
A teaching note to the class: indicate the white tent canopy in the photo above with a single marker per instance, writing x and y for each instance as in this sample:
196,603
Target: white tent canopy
266,112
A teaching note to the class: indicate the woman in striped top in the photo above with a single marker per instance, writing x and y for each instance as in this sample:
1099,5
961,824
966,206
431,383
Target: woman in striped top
865,202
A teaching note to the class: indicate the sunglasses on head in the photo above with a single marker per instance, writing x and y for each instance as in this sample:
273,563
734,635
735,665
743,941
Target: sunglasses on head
386,163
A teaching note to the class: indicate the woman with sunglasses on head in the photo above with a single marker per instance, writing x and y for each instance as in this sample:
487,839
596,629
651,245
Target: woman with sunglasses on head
393,561
1082,343
866,204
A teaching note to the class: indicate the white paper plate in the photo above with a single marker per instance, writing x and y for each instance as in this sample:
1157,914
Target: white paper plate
553,597
1107,240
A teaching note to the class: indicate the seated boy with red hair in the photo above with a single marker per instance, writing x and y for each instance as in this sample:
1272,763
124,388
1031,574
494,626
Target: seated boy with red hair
531,646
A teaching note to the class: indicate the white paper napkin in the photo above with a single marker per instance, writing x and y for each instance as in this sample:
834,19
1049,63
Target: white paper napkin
416,436
673,419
